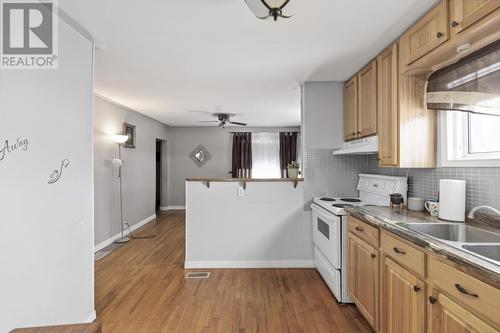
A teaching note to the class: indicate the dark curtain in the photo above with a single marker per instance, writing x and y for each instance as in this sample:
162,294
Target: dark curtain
242,155
288,151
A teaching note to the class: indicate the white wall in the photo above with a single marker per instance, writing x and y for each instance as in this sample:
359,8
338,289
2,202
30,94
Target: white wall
267,227
139,169
322,115
46,251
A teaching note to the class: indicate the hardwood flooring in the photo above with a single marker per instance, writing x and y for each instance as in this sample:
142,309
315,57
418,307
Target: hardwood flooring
141,287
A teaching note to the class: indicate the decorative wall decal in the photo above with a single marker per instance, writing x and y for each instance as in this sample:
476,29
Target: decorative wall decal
200,155
129,130
6,148
56,174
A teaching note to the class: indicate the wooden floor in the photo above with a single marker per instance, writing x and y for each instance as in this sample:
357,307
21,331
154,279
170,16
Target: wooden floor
140,287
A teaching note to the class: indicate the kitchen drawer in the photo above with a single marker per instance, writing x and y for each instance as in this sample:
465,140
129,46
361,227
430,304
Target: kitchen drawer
466,290
405,254
330,275
364,231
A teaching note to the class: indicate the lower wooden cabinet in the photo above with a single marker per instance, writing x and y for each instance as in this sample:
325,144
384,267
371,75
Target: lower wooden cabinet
402,300
447,316
363,278
399,287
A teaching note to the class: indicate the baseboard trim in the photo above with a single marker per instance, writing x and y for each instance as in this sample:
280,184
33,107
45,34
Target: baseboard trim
134,227
249,264
92,317
167,208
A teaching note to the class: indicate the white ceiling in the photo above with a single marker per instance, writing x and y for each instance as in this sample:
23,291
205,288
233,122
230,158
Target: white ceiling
168,58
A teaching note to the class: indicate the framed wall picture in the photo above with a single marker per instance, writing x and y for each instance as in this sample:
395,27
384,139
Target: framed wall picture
129,130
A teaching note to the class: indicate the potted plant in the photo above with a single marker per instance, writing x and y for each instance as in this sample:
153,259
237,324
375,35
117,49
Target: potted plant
293,169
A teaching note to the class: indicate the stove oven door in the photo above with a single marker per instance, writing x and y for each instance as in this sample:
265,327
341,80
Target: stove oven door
326,230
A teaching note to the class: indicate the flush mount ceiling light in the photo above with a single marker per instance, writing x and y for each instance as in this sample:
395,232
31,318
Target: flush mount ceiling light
265,9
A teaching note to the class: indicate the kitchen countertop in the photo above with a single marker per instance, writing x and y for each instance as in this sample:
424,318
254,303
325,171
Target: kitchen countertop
387,219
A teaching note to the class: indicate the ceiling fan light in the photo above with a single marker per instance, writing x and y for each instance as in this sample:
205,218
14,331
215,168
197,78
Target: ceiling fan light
260,10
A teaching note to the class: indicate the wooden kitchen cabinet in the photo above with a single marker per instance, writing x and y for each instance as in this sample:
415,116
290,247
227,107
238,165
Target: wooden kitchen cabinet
351,109
387,92
363,278
430,32
402,300
447,316
464,13
367,100
360,104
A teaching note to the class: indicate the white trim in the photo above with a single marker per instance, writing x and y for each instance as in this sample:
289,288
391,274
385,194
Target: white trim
92,317
250,264
167,208
134,227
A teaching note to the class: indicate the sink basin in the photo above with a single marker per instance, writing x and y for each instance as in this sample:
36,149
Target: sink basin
489,251
454,232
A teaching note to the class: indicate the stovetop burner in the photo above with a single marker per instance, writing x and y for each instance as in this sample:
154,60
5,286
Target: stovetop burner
341,205
327,199
350,200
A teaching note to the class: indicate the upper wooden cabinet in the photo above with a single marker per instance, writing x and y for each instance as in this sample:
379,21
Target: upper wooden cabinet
464,13
351,109
360,104
430,32
387,101
367,100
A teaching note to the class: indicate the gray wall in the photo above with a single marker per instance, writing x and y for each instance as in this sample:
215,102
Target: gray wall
322,115
139,176
323,131
218,143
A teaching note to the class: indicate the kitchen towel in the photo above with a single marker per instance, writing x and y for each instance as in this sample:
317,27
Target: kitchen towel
452,200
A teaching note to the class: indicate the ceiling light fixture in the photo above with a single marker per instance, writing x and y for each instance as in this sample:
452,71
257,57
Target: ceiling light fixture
264,9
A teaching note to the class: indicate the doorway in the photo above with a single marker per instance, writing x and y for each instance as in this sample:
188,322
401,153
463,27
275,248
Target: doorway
159,149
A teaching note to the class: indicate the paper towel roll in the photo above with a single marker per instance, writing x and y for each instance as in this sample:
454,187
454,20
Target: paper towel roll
452,200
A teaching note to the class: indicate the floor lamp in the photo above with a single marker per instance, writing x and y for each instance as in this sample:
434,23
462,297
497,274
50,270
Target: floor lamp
118,162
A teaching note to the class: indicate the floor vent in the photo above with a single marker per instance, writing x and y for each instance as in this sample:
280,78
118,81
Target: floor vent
198,275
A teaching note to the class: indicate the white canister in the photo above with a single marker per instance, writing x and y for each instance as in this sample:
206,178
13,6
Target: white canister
416,204
452,200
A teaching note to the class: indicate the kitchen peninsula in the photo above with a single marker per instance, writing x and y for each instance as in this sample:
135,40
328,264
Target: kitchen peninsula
246,223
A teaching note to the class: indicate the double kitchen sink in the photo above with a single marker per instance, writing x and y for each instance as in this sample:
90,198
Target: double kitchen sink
482,243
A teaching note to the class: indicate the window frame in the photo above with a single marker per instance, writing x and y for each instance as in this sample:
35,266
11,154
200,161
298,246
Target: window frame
453,143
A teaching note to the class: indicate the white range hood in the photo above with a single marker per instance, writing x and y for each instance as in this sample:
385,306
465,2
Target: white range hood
365,146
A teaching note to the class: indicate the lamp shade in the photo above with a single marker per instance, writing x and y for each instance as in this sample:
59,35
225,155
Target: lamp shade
119,138
260,10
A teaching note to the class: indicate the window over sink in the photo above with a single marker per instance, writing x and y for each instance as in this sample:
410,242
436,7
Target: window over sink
468,139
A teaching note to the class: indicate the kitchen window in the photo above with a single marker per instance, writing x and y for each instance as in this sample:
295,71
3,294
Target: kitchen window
468,139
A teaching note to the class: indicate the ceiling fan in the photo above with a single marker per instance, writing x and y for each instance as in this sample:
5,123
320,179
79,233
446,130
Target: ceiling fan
223,119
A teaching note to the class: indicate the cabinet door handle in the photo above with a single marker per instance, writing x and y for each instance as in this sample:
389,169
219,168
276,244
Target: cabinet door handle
374,255
454,24
432,300
465,291
359,229
416,289
439,34
398,251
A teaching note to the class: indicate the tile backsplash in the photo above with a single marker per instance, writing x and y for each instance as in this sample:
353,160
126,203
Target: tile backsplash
483,184
328,175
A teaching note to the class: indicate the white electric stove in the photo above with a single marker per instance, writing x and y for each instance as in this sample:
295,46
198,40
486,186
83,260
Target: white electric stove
329,226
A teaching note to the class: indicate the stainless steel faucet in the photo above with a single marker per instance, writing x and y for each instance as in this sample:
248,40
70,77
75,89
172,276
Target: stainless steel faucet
488,208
